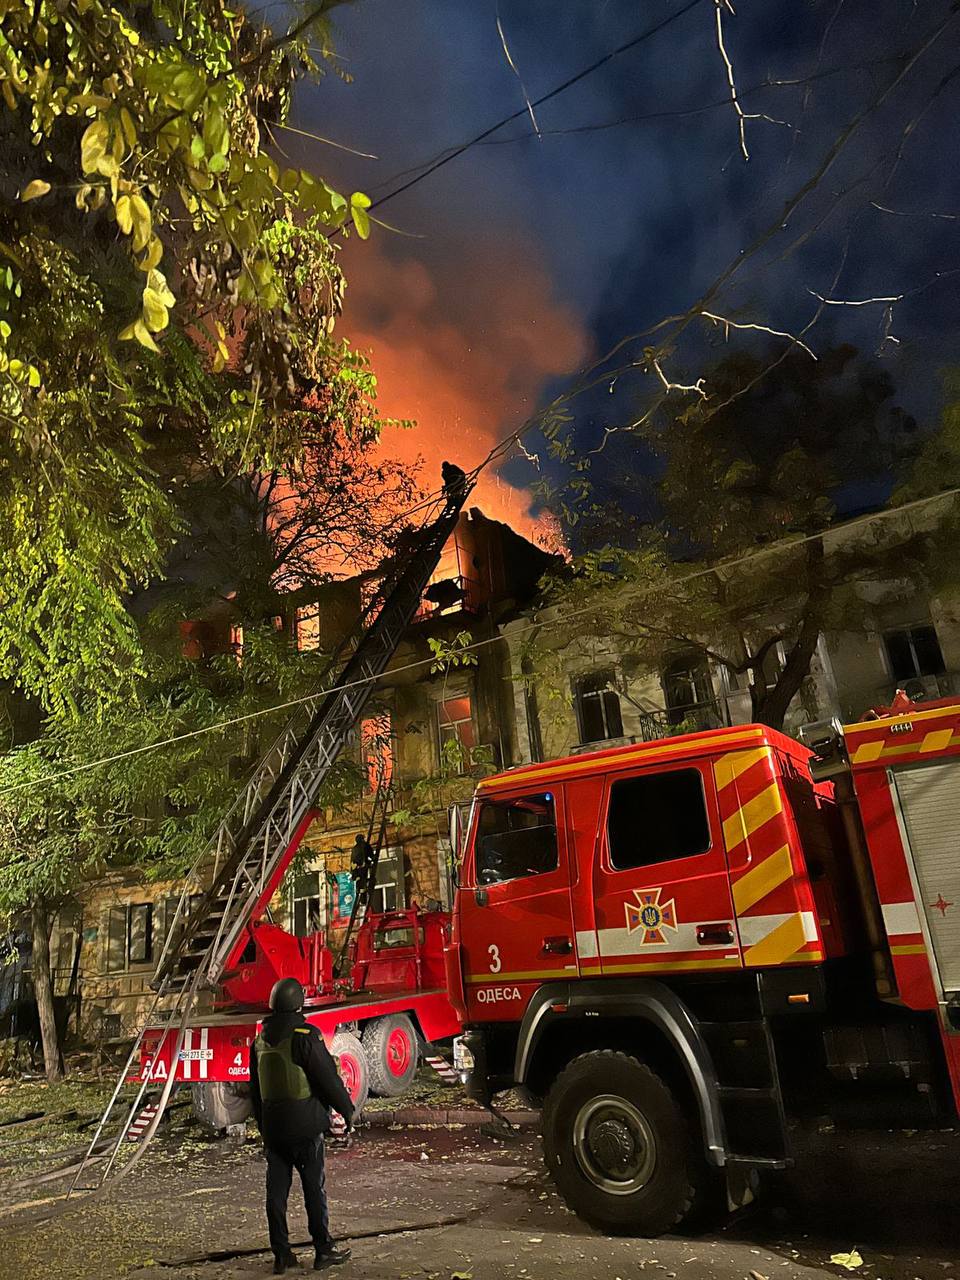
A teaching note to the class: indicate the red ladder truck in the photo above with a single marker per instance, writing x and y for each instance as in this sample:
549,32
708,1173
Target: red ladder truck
377,1019
221,926
680,946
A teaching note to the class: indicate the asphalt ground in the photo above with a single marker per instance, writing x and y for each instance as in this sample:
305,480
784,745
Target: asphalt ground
445,1203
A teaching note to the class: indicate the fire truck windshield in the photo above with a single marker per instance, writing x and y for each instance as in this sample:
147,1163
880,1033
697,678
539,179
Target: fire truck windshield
516,837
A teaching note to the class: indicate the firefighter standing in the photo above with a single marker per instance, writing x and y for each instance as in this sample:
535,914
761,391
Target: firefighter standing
293,1084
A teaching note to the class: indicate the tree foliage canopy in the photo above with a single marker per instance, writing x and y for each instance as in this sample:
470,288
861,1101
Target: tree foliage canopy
159,272
703,535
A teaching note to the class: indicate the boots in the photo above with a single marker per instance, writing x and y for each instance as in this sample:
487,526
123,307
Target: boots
330,1257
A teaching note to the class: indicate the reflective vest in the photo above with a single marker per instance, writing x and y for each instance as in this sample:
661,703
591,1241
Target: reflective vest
281,1080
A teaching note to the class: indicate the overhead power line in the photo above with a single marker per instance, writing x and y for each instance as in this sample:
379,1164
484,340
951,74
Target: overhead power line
627,45
562,619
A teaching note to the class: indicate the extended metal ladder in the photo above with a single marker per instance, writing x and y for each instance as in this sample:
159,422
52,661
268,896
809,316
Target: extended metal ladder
256,839
248,855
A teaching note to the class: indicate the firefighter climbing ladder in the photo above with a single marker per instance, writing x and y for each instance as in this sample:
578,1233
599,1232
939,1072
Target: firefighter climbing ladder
251,849
365,873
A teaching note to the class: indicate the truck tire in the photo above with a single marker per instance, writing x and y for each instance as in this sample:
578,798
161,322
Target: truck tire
393,1054
618,1145
220,1104
352,1064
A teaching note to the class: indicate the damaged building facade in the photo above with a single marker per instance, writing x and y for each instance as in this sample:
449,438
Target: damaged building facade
462,697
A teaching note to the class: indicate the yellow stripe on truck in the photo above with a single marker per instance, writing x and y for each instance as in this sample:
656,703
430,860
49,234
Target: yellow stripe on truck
729,767
762,879
751,816
779,945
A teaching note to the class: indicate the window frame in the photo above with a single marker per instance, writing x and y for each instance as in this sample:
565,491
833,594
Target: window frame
319,897
152,937
635,776
600,695
476,837
468,749
306,628
908,631
393,854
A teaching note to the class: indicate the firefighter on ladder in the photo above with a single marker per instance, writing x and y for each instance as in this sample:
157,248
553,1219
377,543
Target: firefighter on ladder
294,1083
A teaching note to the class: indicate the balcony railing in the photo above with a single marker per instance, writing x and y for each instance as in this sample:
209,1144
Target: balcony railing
676,720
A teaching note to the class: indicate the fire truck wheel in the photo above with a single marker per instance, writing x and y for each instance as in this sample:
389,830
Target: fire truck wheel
354,1072
392,1051
218,1105
618,1145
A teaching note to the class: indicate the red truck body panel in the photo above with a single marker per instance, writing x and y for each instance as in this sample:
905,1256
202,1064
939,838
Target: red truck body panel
397,966
889,758
739,896
217,1048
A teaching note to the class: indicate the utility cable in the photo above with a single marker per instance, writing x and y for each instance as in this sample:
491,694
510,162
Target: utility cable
627,45
787,545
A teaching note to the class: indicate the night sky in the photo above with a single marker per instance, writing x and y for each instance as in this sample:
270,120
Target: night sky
525,258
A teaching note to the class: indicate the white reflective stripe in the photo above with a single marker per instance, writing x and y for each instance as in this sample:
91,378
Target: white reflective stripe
587,944
185,1048
204,1035
626,942
901,917
754,929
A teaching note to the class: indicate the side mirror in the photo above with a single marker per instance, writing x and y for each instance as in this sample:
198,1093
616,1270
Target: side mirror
456,832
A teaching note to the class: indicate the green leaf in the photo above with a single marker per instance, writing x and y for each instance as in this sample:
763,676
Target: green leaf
33,190
93,145
153,255
216,136
217,162
142,221
124,214
129,128
361,220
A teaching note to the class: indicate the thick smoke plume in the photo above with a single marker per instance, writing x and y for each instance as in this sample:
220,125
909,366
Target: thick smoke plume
464,347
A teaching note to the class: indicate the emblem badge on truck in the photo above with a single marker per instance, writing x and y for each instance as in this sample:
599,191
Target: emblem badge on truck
651,916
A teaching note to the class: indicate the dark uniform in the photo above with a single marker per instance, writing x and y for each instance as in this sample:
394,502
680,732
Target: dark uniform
293,1084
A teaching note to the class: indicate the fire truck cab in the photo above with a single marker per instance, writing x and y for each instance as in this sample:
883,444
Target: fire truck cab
680,946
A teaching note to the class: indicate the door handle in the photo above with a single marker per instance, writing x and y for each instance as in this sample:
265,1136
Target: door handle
557,946
480,897
714,935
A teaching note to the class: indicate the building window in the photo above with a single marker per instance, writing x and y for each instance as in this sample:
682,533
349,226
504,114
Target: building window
516,838
598,707
307,904
376,750
388,892
913,652
307,627
130,936
457,734
657,817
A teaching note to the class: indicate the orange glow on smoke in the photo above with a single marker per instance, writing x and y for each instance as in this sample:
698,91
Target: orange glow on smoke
464,348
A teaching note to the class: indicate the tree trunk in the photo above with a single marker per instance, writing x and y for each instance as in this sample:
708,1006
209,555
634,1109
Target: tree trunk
43,990
773,708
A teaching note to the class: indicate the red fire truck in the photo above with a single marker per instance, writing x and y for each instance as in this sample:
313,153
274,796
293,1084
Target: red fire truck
680,946
375,1020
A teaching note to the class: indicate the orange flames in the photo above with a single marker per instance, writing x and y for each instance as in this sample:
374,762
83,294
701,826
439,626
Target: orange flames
464,348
